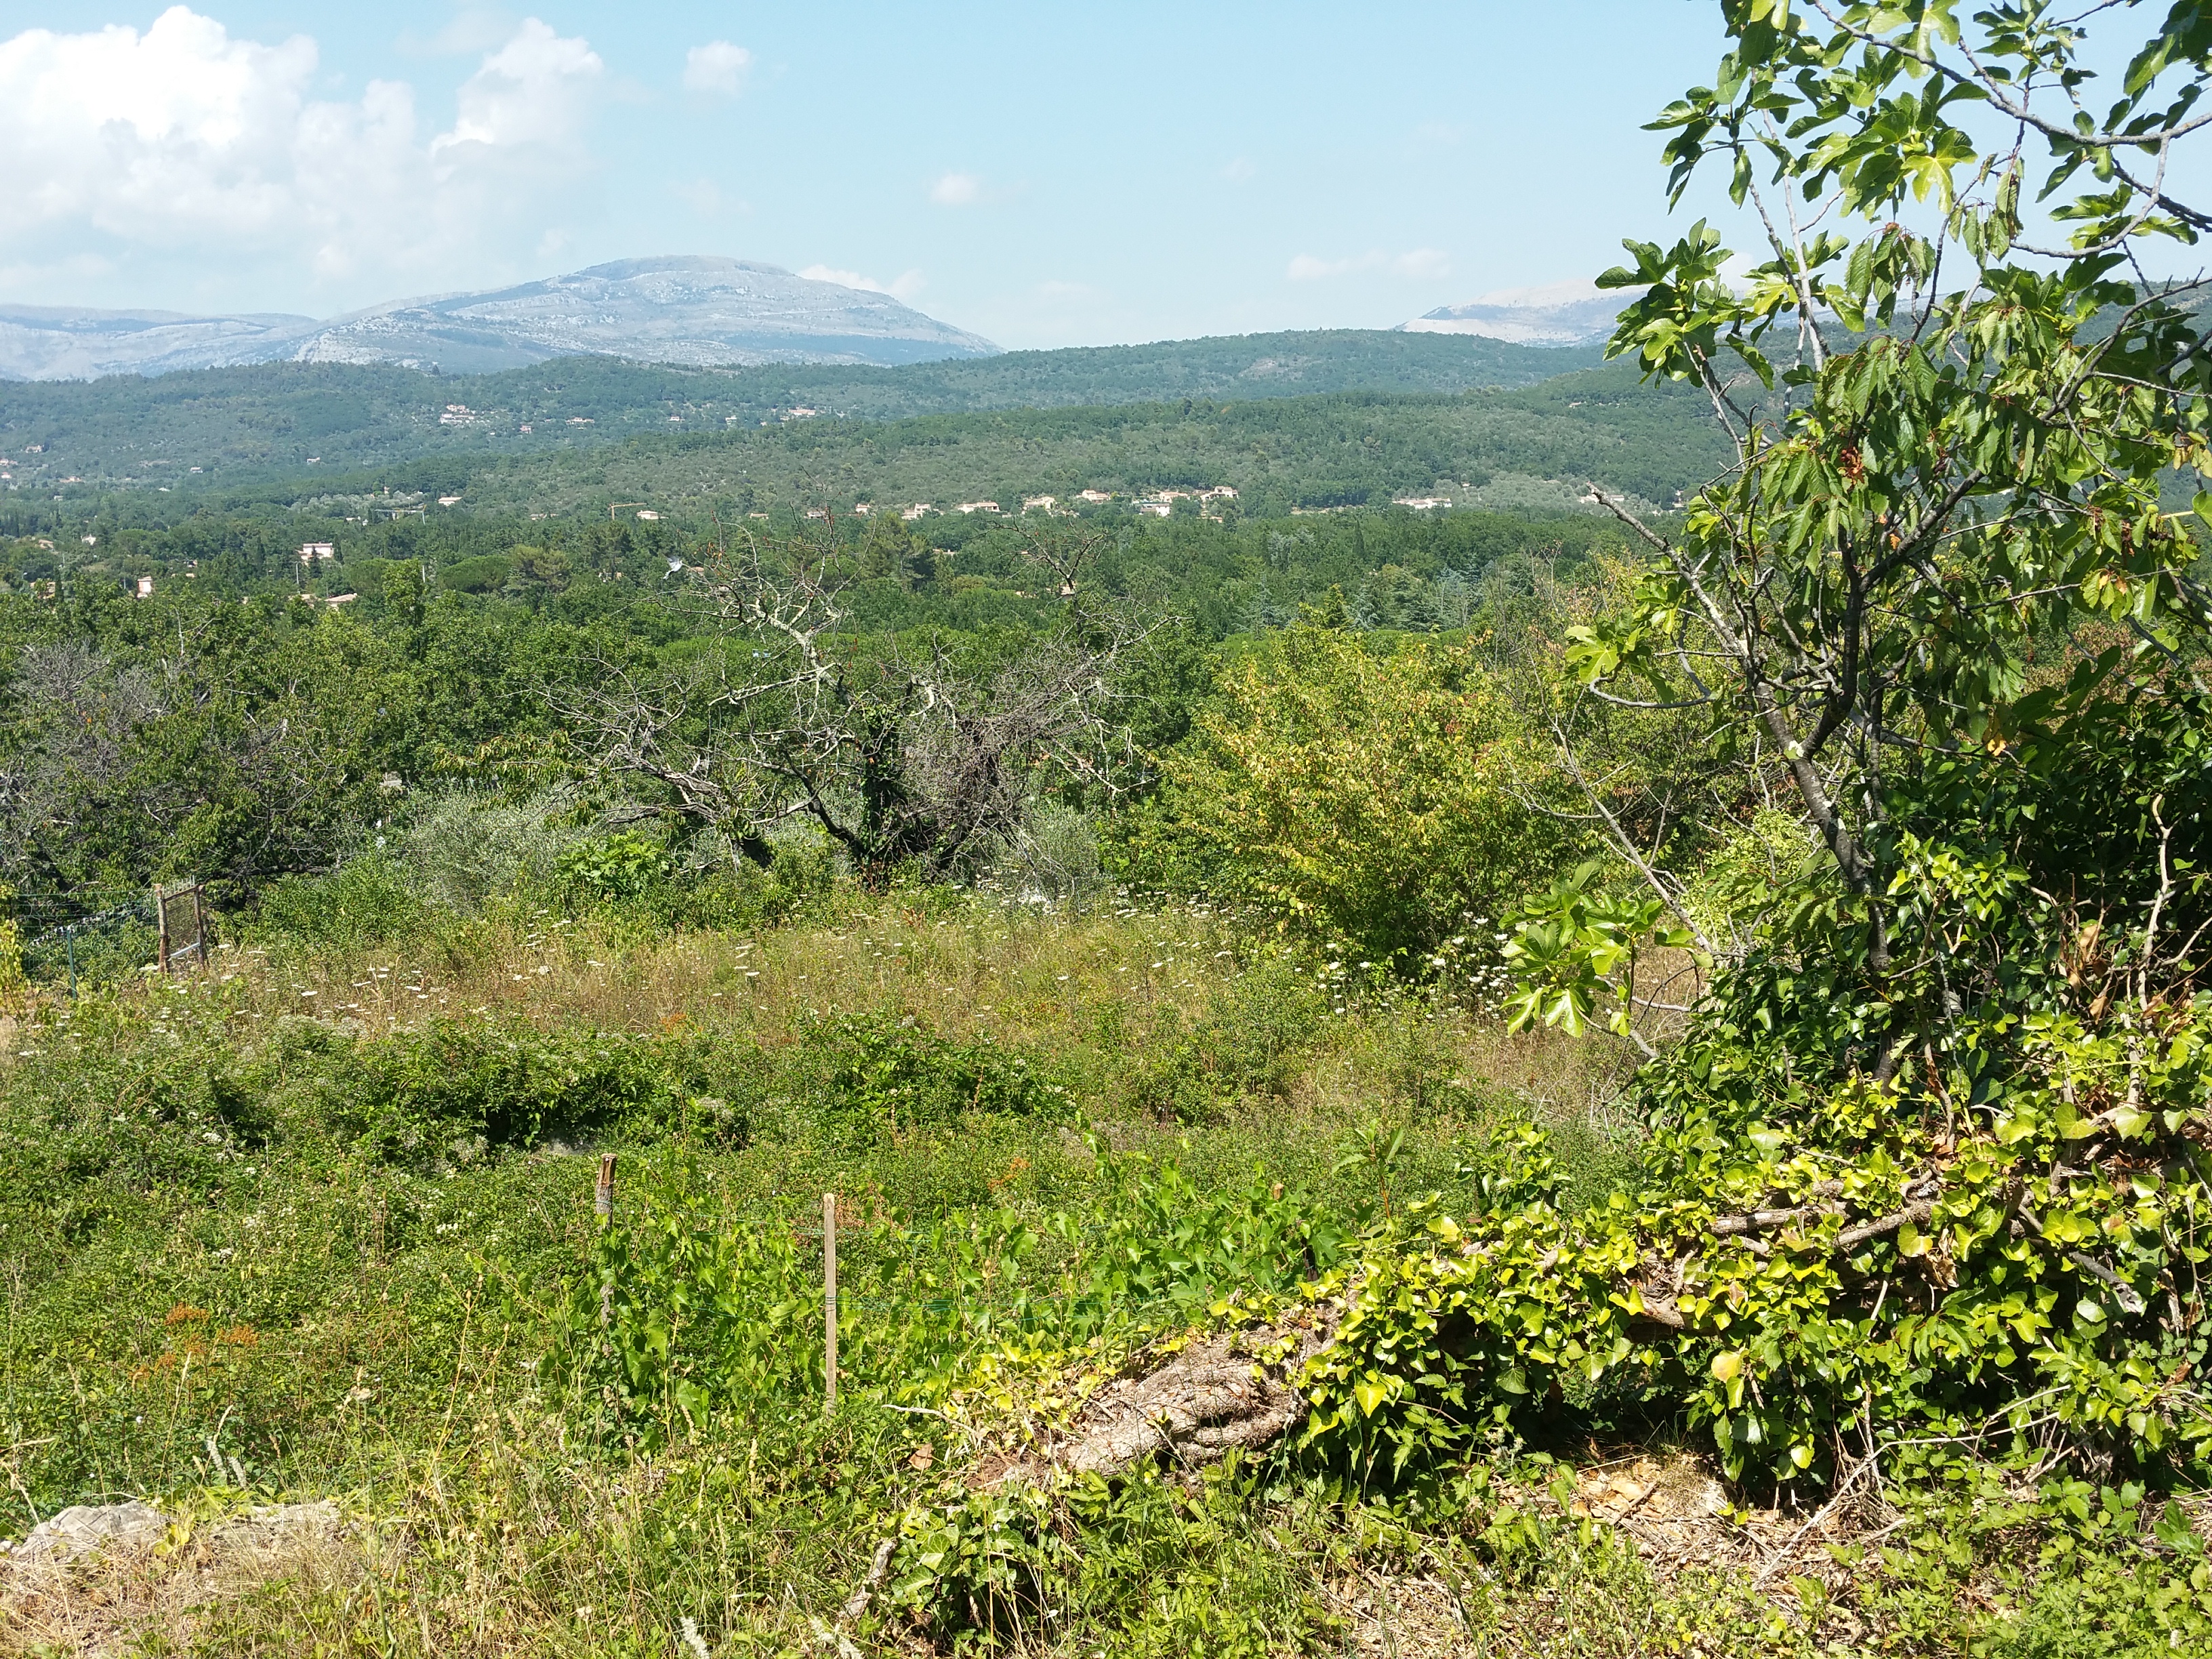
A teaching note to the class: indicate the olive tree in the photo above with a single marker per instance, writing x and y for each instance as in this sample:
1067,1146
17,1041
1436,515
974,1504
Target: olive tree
929,755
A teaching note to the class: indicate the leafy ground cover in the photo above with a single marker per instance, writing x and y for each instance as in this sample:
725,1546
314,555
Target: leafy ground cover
350,1253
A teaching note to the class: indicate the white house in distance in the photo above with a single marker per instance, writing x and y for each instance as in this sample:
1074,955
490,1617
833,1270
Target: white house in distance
1160,505
311,553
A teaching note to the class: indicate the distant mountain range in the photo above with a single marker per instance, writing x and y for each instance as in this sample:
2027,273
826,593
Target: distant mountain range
692,310
1562,314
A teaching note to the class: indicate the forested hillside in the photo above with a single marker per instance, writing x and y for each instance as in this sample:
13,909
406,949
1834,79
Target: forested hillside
252,423
1533,451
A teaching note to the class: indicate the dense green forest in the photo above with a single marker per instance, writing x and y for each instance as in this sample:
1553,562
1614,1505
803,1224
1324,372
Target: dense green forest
458,631
1541,445
1392,569
1531,454
243,424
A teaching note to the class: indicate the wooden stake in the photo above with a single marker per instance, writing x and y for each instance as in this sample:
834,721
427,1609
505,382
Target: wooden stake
603,1206
829,1303
161,929
199,923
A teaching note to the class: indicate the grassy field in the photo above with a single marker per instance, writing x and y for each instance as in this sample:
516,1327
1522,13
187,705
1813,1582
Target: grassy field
317,1223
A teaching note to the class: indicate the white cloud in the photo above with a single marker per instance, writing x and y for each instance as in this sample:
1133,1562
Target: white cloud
120,143
1239,170
957,190
1422,264
531,91
903,287
717,69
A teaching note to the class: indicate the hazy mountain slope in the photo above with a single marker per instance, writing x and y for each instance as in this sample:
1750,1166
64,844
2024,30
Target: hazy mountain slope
691,309
273,419
1562,314
62,342
687,309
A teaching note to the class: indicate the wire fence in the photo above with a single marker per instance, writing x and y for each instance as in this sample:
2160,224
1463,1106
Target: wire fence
99,932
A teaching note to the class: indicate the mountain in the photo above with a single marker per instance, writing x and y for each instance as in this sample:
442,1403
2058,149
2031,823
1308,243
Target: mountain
694,310
1562,314
63,343
697,311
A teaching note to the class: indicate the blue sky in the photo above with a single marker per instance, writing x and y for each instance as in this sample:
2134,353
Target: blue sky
1045,176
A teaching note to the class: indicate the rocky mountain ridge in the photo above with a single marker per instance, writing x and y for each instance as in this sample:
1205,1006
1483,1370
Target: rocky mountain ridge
1558,314
694,310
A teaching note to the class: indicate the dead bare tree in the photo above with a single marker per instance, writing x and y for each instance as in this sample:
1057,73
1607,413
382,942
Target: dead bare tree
902,757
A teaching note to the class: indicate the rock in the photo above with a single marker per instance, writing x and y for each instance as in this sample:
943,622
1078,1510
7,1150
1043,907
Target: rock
88,1529
134,1528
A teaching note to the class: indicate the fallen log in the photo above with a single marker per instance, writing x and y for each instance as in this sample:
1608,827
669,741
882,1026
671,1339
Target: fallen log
1210,1398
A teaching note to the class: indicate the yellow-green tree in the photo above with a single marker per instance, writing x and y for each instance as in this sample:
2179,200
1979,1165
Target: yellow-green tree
1362,798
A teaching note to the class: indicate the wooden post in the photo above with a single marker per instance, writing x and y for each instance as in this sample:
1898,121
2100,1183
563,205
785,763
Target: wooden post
828,1304
199,923
161,929
603,1207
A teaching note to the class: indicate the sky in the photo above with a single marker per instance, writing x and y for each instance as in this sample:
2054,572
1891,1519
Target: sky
1045,175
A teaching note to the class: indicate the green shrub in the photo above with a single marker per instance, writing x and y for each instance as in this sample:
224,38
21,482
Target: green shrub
1351,797
1250,1044
464,847
367,900
457,1089
895,1074
608,869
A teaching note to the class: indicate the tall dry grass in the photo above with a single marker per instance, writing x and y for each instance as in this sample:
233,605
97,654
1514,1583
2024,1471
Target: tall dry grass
1103,984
